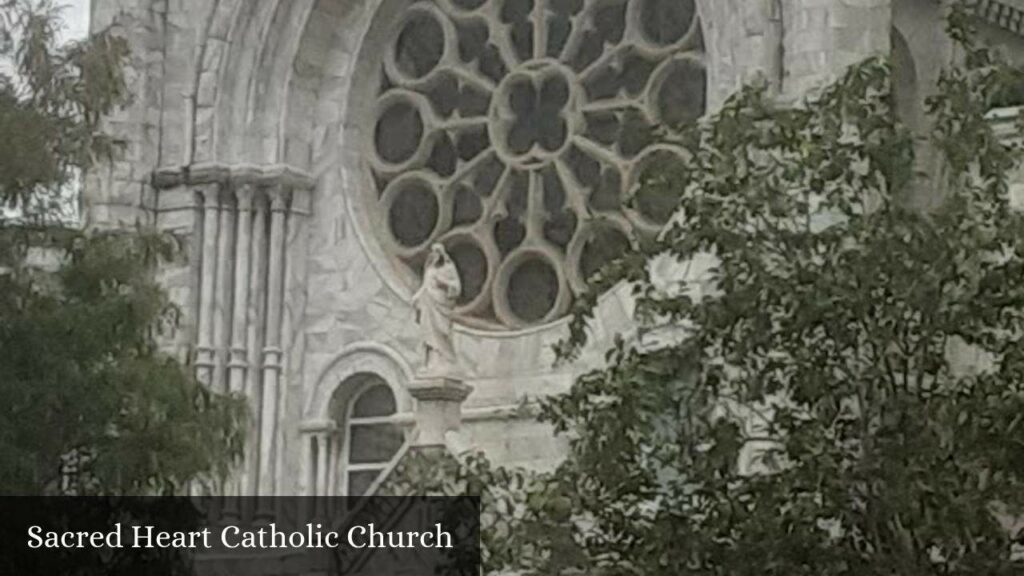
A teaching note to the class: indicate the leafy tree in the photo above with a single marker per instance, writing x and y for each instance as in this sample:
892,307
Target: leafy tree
841,391
90,403
53,98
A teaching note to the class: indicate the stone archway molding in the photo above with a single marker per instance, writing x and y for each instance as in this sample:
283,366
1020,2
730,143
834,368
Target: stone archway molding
361,357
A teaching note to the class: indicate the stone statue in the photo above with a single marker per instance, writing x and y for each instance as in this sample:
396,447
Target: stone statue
435,302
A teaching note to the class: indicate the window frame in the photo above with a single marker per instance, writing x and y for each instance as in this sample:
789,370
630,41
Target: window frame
344,465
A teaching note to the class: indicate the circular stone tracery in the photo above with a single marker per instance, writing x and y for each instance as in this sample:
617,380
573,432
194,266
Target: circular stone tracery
516,132
533,113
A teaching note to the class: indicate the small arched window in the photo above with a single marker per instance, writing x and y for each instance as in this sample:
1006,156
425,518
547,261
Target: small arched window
371,433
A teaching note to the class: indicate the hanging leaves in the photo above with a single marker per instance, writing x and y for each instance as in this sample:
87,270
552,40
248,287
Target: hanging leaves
846,398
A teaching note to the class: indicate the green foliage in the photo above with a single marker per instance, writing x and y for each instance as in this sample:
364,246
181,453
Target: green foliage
515,505
91,405
52,101
843,389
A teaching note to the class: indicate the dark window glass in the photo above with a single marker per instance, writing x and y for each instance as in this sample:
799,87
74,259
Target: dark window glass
375,401
374,443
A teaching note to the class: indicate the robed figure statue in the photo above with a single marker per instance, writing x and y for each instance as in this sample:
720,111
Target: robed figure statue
435,303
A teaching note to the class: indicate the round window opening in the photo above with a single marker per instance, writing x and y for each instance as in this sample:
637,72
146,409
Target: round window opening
515,132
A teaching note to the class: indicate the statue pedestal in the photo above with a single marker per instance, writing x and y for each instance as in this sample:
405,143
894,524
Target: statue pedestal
438,407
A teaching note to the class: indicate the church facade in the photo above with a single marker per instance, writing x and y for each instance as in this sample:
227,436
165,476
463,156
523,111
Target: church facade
307,154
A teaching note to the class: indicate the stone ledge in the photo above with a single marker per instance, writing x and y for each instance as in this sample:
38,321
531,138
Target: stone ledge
443,388
233,174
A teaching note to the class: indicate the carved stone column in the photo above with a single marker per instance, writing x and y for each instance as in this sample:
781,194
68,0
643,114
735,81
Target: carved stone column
222,293
319,440
248,290
333,463
323,440
255,313
205,352
238,361
293,307
272,347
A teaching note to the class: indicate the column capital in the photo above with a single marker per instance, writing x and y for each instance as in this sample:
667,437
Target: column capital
279,197
210,192
244,196
208,172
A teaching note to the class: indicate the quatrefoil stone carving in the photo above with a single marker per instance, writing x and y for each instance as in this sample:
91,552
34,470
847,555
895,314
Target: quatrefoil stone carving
531,118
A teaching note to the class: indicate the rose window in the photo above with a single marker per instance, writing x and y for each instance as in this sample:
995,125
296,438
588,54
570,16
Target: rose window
515,133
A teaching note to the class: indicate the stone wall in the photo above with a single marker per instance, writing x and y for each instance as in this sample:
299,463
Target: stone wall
118,193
